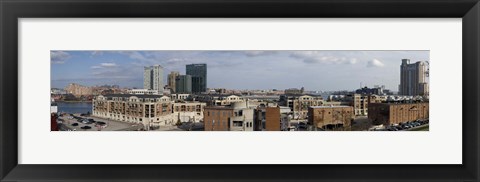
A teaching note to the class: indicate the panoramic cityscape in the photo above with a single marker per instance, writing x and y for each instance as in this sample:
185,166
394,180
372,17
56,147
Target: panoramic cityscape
239,90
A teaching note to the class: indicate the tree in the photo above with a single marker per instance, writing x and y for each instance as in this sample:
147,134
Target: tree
179,122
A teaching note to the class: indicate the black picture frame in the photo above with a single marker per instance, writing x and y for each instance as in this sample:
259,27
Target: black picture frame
11,10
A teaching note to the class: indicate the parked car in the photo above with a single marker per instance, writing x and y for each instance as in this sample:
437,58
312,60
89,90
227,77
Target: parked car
302,125
392,128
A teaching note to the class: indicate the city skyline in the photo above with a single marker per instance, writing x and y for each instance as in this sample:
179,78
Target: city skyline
314,70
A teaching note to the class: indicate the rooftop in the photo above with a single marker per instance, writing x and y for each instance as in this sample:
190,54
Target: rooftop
398,103
130,95
299,95
220,107
328,106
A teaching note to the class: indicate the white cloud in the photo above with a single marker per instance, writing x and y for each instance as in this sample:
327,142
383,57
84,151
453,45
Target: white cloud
108,64
353,60
322,57
375,63
96,53
59,57
104,65
136,55
258,53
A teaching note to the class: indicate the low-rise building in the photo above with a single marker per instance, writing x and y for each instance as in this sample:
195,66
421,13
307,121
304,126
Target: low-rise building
322,116
272,119
359,102
217,118
377,98
377,90
216,99
243,117
53,106
294,91
149,110
300,103
142,92
179,97
396,113
228,100
78,90
188,111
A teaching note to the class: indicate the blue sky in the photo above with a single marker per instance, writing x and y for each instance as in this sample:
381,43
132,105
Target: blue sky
314,70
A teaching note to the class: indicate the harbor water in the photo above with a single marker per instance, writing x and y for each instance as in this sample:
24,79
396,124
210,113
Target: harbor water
74,107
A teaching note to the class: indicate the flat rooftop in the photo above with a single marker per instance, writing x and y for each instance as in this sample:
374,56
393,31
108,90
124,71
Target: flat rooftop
328,106
399,103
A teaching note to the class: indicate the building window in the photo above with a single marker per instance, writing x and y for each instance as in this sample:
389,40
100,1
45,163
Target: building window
237,123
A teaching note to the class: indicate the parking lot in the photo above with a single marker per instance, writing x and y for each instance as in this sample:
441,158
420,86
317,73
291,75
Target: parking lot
88,123
417,125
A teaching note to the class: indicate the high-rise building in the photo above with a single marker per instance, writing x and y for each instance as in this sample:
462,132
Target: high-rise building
147,78
199,77
183,84
172,79
153,78
413,78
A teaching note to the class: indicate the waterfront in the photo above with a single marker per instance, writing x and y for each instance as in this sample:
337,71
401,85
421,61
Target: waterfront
286,98
74,107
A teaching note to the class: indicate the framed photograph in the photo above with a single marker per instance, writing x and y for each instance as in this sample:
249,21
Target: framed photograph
239,90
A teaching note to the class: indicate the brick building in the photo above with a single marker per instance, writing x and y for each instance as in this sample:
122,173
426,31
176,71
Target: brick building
217,118
321,116
272,119
395,113
78,90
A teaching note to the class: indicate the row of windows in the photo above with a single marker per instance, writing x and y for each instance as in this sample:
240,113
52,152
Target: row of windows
219,113
338,112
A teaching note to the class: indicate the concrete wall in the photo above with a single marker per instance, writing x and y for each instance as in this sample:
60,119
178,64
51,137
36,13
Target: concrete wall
246,118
